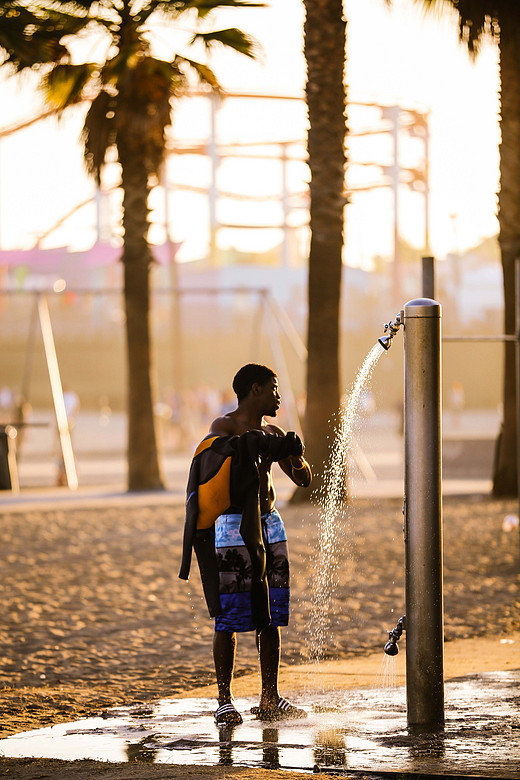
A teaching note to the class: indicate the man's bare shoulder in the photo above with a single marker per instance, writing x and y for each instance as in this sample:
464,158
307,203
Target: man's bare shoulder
271,428
227,425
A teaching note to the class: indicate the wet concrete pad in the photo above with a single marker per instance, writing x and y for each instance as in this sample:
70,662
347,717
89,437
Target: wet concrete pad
358,730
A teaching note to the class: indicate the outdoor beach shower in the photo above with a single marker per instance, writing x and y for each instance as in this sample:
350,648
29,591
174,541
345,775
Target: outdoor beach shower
421,321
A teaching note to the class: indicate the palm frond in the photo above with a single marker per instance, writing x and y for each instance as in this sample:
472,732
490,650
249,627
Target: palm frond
477,19
231,37
64,85
68,6
202,7
475,25
21,39
132,117
31,33
56,17
104,12
205,7
99,134
205,74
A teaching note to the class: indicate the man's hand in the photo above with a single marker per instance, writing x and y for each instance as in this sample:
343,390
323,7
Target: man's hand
296,443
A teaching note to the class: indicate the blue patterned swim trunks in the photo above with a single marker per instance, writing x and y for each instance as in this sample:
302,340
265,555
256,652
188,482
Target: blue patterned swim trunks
234,565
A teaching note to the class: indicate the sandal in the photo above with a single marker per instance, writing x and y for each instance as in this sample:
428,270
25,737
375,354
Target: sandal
283,710
228,715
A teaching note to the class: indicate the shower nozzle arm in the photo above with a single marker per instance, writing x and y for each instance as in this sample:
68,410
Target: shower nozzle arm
390,329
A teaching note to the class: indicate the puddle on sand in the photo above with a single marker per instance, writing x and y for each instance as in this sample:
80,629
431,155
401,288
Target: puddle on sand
351,730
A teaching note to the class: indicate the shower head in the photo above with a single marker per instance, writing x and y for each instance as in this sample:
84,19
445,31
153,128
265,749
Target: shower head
391,329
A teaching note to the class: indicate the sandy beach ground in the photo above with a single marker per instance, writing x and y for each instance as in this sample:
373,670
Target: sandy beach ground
93,614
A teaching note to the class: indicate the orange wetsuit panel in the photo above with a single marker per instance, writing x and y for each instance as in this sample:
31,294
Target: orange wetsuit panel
214,496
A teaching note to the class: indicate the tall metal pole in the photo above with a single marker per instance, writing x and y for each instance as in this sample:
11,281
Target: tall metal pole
426,186
428,277
423,513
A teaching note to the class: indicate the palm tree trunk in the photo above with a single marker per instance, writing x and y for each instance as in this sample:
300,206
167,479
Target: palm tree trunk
505,468
143,464
325,40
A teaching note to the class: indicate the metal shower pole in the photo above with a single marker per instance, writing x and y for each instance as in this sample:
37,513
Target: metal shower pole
423,513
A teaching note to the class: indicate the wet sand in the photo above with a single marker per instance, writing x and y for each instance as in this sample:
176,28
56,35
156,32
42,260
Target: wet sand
94,615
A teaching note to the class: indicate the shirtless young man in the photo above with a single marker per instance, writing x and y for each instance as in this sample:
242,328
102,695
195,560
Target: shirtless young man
257,392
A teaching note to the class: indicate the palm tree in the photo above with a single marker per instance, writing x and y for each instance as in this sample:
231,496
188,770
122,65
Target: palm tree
325,41
130,91
500,19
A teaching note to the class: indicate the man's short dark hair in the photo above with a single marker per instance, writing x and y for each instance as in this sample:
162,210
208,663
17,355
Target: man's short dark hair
247,376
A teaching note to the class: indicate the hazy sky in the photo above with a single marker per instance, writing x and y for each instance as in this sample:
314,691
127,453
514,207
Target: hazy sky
393,56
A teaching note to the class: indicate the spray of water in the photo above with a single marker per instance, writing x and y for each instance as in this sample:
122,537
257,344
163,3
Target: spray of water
387,674
333,512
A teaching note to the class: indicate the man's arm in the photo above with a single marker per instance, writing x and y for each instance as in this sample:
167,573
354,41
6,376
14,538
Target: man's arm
297,469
